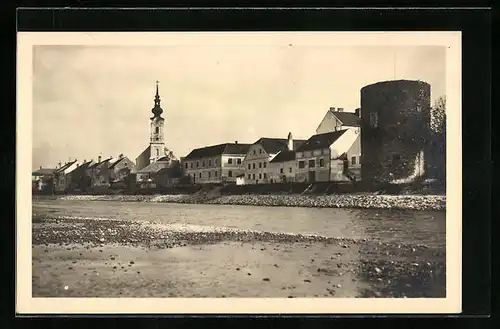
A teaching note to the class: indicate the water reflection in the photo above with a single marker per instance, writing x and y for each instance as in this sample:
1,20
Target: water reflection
395,226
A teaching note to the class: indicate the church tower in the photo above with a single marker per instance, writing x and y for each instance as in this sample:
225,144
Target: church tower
157,142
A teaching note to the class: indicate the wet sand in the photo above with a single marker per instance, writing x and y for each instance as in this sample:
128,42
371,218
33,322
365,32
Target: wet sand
81,257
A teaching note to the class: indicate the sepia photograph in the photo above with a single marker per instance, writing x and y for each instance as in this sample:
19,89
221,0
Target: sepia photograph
222,170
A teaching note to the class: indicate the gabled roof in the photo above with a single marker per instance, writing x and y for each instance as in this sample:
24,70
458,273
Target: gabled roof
154,167
44,172
275,145
98,164
215,150
116,162
66,166
347,118
283,156
321,141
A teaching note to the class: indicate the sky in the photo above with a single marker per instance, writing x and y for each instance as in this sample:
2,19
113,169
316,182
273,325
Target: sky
97,100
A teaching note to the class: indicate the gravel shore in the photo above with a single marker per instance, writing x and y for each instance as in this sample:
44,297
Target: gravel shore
408,202
113,258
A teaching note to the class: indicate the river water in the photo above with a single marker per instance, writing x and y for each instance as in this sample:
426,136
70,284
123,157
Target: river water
396,226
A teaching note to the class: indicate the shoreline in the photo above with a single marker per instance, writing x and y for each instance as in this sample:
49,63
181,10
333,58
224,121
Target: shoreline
353,201
75,257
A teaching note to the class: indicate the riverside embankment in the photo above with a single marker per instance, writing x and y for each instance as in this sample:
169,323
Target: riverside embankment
360,201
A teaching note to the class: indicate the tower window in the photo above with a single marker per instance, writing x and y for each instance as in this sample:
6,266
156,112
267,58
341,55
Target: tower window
157,152
157,130
374,120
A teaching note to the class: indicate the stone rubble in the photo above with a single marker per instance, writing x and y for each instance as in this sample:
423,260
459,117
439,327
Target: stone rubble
374,201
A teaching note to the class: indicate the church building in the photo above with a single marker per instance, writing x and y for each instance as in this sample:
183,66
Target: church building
156,148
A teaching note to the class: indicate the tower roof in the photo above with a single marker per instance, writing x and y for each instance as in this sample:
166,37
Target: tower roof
157,110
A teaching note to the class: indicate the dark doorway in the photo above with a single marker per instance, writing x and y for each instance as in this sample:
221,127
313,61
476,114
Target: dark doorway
312,176
346,165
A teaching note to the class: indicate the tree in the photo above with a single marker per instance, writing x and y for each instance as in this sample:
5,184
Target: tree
169,153
438,116
438,127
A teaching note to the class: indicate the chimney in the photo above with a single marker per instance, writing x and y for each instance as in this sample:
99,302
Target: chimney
99,158
235,142
120,156
332,109
358,112
290,141
340,109
59,164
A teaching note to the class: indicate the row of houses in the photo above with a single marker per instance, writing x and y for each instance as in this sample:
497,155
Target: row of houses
332,154
393,133
75,175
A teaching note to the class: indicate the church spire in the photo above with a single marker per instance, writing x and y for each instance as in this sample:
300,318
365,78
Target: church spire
157,110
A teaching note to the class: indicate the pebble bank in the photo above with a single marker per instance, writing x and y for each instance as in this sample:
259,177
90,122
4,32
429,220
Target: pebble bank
402,202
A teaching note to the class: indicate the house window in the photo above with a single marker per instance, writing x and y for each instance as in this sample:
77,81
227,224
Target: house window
253,165
374,119
265,165
301,164
281,170
353,160
197,164
191,165
260,176
260,151
230,173
290,170
215,173
299,155
209,163
321,163
249,176
229,161
186,165
312,163
249,166
254,152
203,163
209,174
253,176
260,165
265,176
238,161
199,175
